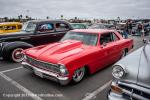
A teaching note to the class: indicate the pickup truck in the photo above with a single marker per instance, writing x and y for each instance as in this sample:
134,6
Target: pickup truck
33,33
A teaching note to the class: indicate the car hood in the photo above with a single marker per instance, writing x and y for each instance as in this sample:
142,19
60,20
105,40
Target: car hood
137,67
56,52
12,34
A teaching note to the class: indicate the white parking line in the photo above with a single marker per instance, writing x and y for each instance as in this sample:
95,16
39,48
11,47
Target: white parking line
94,93
10,69
26,91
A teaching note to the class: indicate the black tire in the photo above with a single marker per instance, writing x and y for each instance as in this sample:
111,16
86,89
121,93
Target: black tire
124,53
10,54
77,78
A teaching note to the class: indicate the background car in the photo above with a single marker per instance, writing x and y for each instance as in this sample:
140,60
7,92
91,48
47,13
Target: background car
33,33
79,52
10,27
79,25
132,76
102,26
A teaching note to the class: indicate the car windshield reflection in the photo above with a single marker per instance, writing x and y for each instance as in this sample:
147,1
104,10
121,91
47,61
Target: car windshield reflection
29,27
86,38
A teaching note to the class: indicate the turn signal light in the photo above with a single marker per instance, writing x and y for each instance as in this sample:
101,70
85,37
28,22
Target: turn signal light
116,89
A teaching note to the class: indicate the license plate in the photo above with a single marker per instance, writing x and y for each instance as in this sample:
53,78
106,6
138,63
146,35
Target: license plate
38,73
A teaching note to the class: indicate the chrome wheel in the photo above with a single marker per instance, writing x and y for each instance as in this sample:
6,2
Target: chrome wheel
79,74
17,55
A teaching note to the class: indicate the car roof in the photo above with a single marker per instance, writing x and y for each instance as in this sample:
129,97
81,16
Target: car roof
96,31
5,23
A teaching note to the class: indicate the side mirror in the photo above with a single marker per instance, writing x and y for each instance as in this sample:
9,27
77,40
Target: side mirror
103,44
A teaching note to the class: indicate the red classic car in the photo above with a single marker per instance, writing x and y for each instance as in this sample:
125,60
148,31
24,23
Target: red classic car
79,52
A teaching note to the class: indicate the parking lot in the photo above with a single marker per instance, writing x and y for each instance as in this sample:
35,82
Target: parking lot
17,83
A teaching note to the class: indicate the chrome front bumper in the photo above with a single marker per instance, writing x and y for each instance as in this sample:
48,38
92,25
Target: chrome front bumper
46,74
126,94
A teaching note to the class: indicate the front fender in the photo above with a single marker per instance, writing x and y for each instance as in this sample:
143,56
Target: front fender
2,48
7,46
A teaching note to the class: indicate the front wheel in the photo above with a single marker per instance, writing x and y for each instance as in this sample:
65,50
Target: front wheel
17,55
79,74
124,53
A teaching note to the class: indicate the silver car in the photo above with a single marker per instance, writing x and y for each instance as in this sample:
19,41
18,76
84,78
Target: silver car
132,76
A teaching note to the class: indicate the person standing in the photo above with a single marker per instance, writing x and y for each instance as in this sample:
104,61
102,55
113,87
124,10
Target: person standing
125,31
142,32
140,29
130,27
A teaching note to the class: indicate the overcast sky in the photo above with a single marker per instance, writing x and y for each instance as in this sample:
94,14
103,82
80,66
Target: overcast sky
76,8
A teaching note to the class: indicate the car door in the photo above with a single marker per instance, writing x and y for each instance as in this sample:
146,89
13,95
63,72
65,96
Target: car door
61,29
45,33
107,51
116,54
101,57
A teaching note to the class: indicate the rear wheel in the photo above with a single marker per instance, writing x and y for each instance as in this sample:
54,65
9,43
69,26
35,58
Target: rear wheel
79,74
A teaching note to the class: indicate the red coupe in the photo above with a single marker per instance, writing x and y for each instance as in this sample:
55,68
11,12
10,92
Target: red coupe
79,52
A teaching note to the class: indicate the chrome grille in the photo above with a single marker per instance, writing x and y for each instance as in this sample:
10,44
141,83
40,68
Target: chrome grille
43,65
134,91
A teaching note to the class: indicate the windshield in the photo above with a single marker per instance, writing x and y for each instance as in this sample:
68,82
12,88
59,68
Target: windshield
97,26
109,26
29,27
86,38
78,26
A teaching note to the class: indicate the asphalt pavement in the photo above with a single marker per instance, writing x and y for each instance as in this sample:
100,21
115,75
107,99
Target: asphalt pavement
17,83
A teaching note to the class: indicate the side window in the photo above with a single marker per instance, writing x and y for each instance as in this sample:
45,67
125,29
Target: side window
114,37
13,28
1,27
61,27
105,38
44,28
10,27
19,26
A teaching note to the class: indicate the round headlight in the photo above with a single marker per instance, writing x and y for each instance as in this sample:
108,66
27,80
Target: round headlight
63,70
118,72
